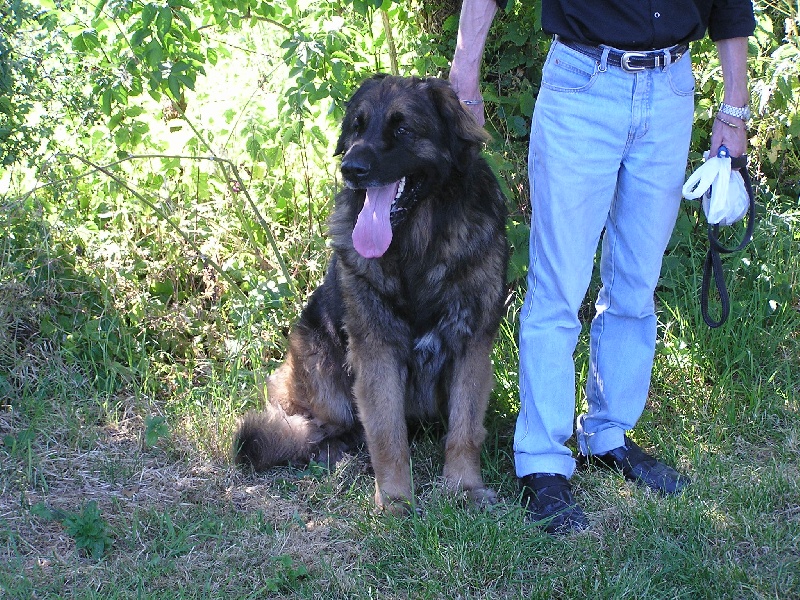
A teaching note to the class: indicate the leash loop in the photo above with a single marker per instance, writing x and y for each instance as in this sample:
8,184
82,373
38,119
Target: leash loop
713,262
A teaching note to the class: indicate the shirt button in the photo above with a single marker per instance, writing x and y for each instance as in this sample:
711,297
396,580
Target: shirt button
657,15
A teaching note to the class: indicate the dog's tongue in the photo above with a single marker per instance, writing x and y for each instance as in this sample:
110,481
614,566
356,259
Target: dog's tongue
373,231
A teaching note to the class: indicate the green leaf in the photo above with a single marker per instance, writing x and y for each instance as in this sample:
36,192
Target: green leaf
155,428
101,4
319,135
212,56
85,40
106,102
89,529
148,14
190,33
122,136
517,125
794,125
154,54
162,288
138,37
339,70
253,146
526,103
174,85
163,21
115,120
41,510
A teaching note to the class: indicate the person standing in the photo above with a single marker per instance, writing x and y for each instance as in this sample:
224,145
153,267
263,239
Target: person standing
608,151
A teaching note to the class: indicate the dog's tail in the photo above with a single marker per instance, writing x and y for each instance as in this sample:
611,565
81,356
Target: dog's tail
271,438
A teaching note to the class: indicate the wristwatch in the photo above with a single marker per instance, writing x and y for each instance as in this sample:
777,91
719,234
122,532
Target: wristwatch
740,112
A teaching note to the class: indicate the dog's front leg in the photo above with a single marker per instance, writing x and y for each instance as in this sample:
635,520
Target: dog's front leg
379,391
473,378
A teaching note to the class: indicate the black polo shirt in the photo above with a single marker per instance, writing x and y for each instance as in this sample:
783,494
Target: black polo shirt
645,24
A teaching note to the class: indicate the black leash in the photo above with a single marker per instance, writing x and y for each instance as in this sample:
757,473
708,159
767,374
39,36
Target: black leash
713,262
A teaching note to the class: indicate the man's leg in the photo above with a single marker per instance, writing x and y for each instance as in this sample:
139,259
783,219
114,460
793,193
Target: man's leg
623,332
578,135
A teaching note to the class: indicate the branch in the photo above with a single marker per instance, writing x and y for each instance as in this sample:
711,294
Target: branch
243,188
387,27
206,259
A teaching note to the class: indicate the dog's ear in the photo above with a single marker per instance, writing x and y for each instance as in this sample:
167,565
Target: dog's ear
466,135
362,89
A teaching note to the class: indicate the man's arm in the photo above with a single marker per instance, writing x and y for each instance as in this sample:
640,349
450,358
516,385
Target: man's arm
733,59
473,28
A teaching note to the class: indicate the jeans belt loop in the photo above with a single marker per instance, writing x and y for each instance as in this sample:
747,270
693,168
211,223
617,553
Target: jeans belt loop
603,64
667,58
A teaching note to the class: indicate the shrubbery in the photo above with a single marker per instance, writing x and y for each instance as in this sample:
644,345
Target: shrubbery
169,170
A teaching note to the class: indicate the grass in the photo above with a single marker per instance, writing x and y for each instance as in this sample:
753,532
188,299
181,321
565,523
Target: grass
125,360
183,523
193,530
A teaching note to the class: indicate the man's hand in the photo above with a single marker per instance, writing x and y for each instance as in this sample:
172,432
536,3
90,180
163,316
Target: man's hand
723,133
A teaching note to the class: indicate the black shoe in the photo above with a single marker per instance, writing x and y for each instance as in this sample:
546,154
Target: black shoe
548,500
638,466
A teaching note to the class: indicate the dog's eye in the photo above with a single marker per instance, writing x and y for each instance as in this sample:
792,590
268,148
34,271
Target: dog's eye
402,131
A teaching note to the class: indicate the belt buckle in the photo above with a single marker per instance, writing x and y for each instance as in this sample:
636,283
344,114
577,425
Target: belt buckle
625,61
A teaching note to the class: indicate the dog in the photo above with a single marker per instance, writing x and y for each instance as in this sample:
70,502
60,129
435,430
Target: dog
402,327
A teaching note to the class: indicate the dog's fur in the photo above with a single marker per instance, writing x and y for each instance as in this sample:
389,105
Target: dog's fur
405,334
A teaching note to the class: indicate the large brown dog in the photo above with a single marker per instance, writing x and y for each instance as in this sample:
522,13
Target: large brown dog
403,325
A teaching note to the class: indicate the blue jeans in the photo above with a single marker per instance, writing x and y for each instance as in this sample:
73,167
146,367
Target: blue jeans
607,158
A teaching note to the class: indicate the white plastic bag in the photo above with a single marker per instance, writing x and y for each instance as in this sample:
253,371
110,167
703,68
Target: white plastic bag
725,199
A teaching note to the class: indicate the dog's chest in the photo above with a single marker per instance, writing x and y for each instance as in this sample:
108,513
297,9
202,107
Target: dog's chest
435,309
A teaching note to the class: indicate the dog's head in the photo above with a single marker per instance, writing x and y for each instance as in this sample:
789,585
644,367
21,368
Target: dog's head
401,138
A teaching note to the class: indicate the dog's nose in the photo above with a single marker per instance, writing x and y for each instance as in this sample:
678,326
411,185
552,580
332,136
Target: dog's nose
353,168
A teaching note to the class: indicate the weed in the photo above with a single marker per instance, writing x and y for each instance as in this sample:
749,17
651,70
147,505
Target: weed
155,428
286,574
19,445
88,528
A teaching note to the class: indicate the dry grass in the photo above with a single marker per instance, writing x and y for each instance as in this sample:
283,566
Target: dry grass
198,510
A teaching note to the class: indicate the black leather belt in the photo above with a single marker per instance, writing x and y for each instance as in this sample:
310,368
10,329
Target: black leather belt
630,60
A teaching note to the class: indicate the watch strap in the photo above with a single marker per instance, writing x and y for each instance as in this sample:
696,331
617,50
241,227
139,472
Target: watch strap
740,112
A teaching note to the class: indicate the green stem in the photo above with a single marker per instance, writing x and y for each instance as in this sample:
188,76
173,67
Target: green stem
387,27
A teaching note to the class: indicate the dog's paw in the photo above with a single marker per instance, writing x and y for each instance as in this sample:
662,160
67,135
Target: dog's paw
399,506
482,497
